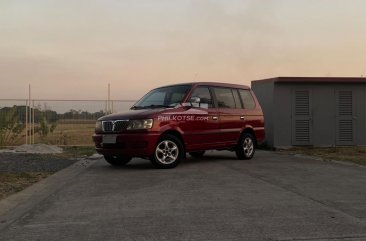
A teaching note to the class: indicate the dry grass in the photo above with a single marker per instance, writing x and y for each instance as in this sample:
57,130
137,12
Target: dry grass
68,133
78,151
72,134
14,182
350,154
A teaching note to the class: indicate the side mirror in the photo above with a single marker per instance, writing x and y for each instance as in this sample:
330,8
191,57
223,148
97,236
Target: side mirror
195,100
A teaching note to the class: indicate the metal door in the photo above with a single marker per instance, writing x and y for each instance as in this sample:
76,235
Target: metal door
345,118
302,124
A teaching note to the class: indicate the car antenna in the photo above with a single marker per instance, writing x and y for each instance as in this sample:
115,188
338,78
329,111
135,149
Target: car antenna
362,74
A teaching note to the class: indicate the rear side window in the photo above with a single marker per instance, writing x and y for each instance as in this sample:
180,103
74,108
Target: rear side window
204,94
237,99
225,98
247,99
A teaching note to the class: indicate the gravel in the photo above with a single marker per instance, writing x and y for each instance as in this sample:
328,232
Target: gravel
11,162
35,149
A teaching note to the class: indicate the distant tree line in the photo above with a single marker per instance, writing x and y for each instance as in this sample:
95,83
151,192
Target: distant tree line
81,115
49,115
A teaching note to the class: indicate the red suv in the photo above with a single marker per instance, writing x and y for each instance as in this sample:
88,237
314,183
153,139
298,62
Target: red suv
172,120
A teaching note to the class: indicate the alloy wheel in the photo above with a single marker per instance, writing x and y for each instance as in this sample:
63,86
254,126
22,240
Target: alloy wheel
167,152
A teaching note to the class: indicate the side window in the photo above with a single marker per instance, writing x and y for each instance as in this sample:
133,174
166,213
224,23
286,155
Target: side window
237,99
225,98
204,94
247,99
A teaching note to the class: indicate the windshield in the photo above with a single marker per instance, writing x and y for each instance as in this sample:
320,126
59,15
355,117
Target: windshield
169,96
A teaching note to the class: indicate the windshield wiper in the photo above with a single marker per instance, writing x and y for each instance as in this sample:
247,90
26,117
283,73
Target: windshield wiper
136,107
154,106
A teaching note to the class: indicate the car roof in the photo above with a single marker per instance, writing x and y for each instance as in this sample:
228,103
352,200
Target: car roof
216,84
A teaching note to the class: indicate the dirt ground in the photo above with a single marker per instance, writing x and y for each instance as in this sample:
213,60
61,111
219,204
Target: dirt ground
348,154
20,170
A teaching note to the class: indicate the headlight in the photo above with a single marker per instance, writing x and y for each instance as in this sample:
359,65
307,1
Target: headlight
140,124
98,126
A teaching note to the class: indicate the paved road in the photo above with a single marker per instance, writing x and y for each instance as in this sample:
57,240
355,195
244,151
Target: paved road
272,197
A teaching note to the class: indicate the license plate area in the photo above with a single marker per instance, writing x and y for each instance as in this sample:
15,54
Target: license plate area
109,139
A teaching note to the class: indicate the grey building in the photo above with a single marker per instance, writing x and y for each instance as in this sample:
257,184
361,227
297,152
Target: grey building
313,111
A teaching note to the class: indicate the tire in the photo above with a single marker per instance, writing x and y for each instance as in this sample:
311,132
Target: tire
117,160
246,147
168,152
197,153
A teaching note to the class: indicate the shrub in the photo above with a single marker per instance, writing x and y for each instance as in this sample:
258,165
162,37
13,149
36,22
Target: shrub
10,127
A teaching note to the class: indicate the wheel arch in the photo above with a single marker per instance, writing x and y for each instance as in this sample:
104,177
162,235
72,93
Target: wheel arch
176,134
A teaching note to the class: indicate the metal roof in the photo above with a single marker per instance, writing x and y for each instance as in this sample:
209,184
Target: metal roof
343,80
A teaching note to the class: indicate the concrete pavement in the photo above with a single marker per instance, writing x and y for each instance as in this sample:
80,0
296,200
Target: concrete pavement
271,197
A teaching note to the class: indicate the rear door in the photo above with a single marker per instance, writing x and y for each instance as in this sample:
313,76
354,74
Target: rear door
231,114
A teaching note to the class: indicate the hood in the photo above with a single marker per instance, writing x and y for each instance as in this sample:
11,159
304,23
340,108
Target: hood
135,114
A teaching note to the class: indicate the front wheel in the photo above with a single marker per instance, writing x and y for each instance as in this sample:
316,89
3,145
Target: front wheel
117,160
168,152
246,147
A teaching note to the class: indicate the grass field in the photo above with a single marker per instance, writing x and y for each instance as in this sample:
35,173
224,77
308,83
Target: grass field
66,133
71,134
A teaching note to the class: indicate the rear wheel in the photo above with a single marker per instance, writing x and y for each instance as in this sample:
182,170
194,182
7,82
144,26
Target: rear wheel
168,152
246,147
117,160
197,153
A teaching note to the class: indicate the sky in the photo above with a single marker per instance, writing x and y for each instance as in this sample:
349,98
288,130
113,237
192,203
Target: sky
72,49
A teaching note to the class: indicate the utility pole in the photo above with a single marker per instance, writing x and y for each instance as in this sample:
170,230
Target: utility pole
29,124
26,121
109,99
33,123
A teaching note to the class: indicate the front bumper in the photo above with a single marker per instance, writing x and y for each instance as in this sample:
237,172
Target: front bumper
128,144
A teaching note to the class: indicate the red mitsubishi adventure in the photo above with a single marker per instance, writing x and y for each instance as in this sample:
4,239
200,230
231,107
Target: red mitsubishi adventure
172,120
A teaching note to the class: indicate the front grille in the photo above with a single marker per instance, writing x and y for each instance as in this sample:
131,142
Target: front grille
114,126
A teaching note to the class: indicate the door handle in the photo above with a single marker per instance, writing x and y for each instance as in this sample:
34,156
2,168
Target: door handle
215,118
241,117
